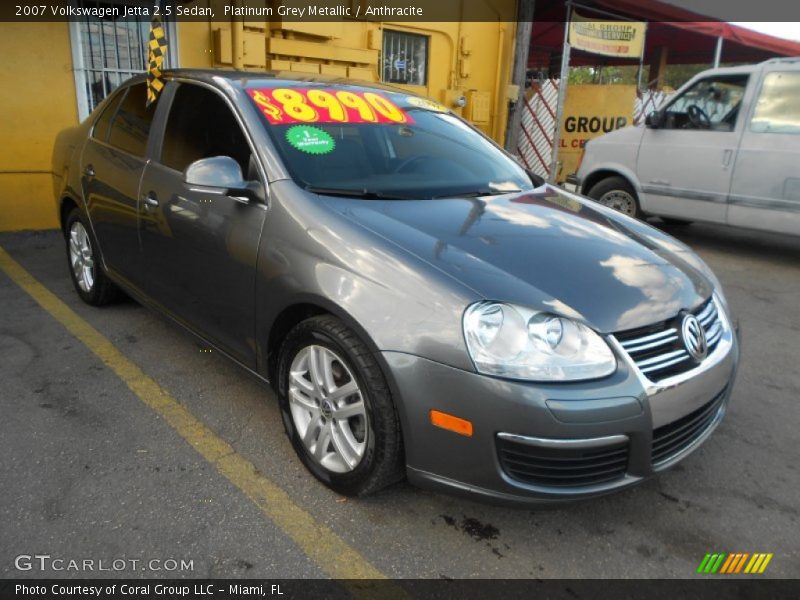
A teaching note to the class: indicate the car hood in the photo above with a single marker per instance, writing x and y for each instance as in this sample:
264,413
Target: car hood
545,249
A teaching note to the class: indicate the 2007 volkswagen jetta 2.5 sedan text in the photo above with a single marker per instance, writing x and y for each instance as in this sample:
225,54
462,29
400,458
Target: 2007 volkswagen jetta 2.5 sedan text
421,307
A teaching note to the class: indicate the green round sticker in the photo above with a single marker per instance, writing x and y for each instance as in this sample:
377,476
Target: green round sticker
311,140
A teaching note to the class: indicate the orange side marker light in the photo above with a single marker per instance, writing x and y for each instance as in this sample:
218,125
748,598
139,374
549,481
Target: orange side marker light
451,423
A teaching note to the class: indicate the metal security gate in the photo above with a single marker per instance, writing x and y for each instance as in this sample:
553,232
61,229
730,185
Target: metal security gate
647,103
537,123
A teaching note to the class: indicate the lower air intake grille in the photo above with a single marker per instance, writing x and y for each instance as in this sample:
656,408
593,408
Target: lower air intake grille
671,439
563,467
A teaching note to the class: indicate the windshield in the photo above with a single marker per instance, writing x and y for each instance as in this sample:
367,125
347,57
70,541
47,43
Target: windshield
377,144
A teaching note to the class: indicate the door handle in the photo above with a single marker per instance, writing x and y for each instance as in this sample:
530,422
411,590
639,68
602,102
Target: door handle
726,157
89,171
150,200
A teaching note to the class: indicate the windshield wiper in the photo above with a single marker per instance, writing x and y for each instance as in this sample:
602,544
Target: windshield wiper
477,193
362,193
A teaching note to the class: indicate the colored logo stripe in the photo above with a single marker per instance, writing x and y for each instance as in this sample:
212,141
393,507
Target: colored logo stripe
758,563
711,563
734,563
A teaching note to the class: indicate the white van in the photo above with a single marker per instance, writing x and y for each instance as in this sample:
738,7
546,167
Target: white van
724,149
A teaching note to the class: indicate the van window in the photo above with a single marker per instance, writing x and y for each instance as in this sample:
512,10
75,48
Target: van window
711,103
200,125
778,106
131,125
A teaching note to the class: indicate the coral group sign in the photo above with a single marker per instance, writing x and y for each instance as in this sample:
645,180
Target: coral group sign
609,38
589,112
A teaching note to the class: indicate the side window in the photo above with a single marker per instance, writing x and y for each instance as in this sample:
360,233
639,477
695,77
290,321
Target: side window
131,125
100,131
711,103
778,106
200,125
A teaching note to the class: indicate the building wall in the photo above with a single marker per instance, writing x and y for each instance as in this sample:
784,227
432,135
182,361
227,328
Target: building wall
470,59
38,100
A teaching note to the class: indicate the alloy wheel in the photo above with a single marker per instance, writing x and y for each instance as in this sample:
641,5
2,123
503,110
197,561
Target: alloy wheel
328,409
81,257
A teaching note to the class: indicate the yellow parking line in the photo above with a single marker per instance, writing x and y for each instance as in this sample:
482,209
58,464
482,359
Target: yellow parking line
318,542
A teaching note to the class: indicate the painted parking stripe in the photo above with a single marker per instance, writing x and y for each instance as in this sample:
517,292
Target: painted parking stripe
333,555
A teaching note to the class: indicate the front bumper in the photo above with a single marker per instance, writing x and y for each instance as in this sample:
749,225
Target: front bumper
613,418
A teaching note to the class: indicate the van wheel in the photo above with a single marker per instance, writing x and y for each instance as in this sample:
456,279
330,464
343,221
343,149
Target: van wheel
617,193
90,281
337,408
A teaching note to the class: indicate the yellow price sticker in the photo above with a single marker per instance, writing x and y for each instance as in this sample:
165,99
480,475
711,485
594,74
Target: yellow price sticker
283,106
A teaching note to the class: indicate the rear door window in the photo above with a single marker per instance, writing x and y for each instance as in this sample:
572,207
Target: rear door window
131,124
100,131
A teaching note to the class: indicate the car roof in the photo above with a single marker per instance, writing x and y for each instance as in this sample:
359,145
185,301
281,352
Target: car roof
782,60
270,78
737,70
790,61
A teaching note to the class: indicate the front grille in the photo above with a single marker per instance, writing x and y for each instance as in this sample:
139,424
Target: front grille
563,467
671,439
658,350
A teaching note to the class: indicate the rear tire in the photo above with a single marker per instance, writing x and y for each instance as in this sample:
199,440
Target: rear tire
337,408
618,194
85,267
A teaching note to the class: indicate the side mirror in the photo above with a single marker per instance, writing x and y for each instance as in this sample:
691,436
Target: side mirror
221,175
654,120
536,180
221,172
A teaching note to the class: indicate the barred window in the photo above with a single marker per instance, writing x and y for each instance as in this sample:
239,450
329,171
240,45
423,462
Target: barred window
106,52
404,58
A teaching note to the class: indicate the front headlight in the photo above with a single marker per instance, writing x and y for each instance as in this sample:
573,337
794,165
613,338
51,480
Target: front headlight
520,343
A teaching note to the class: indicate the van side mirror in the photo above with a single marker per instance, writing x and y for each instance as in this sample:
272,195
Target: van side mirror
654,120
221,175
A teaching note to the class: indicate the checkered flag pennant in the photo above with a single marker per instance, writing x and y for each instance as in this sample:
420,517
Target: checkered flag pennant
156,50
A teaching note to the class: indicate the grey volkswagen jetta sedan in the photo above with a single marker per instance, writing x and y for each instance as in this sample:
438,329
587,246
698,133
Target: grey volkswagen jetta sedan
421,308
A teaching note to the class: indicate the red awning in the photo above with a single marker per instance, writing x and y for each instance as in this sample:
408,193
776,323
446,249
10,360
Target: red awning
689,37
741,36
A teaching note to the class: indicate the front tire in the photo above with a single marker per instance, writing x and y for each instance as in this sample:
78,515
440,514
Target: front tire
617,193
85,268
337,408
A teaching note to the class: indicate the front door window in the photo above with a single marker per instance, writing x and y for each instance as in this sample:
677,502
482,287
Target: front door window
711,103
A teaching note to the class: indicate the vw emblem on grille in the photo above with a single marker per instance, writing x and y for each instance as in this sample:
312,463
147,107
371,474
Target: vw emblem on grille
694,337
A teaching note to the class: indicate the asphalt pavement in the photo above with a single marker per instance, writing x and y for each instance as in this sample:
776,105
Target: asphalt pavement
91,469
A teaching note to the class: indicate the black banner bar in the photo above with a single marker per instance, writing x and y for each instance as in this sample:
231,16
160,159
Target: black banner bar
712,587
380,10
